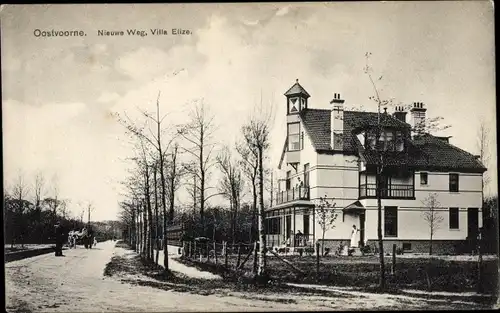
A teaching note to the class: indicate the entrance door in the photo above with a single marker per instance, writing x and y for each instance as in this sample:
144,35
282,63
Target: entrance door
472,223
362,229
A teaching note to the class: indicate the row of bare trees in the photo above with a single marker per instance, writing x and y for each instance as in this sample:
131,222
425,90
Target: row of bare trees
169,156
32,208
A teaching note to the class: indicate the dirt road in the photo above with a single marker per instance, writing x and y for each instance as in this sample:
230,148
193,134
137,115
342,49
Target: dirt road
75,283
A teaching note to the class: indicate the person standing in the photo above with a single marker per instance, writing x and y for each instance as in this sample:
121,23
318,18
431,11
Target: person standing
354,237
59,239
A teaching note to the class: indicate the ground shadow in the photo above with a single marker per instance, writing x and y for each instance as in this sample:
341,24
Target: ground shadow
132,269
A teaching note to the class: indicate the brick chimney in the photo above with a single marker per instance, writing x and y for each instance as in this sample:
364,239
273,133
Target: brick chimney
400,113
337,122
417,119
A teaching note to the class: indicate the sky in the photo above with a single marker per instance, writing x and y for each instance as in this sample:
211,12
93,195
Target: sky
59,94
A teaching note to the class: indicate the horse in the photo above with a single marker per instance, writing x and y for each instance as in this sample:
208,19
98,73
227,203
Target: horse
74,235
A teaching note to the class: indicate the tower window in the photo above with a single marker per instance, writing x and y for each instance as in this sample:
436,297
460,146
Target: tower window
293,105
293,136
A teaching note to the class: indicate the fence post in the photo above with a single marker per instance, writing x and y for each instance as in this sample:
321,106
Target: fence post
215,253
393,258
225,254
239,256
208,252
194,248
255,257
479,267
317,260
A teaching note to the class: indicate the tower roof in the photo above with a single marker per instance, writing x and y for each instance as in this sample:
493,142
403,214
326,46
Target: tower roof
297,89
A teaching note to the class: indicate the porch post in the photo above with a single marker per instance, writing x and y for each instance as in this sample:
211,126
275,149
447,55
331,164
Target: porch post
294,230
314,225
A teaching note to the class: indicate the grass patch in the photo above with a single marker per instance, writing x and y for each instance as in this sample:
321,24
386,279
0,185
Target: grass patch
363,272
135,270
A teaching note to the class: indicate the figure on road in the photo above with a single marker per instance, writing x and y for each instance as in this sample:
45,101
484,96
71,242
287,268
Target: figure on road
59,239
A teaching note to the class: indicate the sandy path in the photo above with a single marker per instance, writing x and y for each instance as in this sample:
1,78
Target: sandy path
181,268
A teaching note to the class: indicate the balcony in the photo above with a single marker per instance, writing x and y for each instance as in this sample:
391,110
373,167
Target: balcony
297,193
393,191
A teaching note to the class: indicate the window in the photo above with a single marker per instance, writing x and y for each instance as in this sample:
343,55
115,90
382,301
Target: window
399,143
423,178
306,174
389,141
303,104
293,136
288,180
453,179
390,221
273,225
370,140
293,104
454,218
381,141
406,246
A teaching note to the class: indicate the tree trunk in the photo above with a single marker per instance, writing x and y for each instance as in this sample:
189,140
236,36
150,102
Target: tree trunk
379,226
145,250
157,243
262,235
172,186
323,243
164,206
254,212
430,245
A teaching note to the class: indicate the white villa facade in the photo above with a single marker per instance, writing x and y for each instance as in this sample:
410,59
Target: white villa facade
330,152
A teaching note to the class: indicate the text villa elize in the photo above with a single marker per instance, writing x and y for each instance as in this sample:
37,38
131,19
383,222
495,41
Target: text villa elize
142,33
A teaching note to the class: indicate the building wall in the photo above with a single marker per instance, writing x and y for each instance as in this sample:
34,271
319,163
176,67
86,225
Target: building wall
417,246
337,177
411,224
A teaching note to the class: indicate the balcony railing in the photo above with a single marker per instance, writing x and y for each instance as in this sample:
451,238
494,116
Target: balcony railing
297,193
394,191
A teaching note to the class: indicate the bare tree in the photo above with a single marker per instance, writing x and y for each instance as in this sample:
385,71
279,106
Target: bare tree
19,192
155,140
39,188
198,132
426,126
483,148
174,175
231,185
431,216
327,216
54,202
256,136
250,165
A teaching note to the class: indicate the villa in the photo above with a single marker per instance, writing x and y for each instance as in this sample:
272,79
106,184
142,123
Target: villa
331,153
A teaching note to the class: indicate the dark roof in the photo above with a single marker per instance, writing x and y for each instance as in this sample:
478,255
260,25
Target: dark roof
441,154
297,89
317,124
424,152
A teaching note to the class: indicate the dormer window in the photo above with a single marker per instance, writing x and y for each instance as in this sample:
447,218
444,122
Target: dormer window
388,141
399,143
294,137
